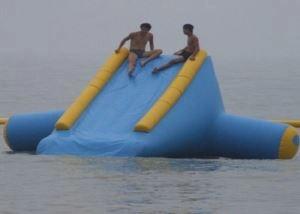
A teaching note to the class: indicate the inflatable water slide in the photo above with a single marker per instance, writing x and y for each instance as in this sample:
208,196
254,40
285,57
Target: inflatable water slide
177,113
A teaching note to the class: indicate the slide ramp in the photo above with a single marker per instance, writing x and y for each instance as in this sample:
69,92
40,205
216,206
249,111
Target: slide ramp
107,126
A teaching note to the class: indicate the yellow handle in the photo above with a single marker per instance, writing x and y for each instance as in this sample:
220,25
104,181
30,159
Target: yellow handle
3,120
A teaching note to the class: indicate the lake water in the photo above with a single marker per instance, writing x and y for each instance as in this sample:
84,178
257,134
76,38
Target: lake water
34,184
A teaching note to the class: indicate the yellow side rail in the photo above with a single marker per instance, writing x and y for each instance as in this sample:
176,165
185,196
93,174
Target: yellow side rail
295,123
3,120
171,95
104,74
287,147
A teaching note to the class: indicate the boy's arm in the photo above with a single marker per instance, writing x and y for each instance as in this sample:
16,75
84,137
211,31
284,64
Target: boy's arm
151,43
123,42
196,49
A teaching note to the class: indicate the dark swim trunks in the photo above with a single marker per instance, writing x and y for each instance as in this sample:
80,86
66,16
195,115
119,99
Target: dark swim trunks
185,54
139,53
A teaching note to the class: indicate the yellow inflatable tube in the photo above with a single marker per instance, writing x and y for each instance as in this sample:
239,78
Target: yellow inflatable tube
172,94
288,148
3,120
295,123
104,74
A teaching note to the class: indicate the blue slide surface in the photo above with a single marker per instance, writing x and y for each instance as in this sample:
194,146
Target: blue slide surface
195,127
106,127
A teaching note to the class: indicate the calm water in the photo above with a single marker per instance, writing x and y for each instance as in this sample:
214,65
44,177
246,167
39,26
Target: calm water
50,184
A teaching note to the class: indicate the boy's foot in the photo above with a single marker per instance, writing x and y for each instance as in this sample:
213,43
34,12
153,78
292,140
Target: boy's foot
143,63
130,73
155,70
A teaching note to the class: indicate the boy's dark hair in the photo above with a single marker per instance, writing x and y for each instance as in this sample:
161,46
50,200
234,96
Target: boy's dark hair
188,27
145,25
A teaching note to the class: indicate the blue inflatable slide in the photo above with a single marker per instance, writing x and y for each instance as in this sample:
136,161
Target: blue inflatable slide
177,113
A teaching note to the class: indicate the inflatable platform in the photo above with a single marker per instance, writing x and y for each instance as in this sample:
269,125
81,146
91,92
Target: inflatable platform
177,113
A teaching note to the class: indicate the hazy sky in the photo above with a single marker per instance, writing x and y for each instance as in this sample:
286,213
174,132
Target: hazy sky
231,28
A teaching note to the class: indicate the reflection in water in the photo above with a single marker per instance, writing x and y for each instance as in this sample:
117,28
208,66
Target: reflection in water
133,185
173,185
68,184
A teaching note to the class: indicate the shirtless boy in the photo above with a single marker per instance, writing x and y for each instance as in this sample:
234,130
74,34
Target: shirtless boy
138,42
189,52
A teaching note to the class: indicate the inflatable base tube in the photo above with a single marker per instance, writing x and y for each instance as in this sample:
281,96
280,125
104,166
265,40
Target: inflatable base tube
23,132
231,136
250,138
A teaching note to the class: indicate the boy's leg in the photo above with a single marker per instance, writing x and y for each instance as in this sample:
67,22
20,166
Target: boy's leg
174,61
151,55
131,62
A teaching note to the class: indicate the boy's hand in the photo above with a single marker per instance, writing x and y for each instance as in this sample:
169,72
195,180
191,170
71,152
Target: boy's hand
192,58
